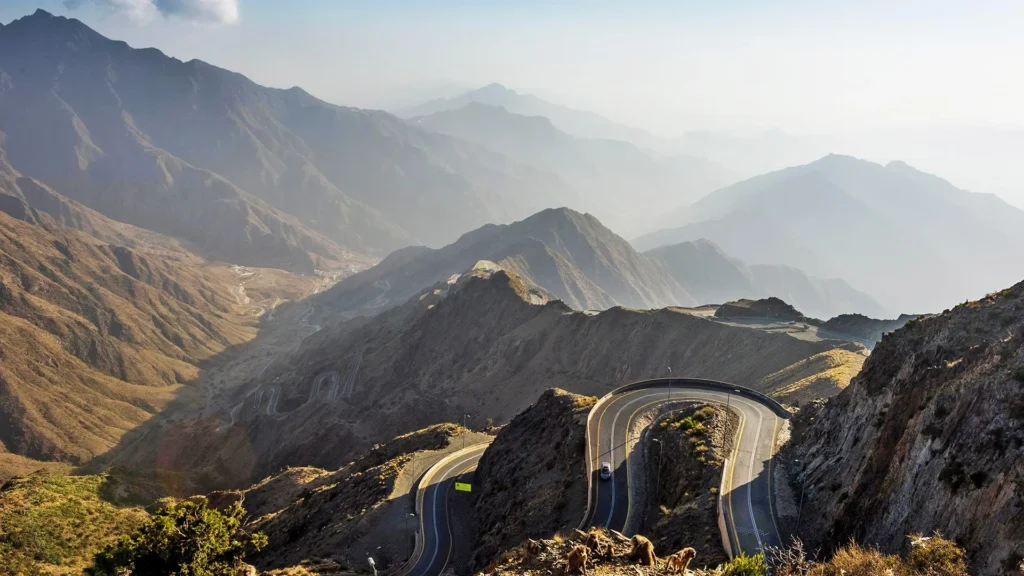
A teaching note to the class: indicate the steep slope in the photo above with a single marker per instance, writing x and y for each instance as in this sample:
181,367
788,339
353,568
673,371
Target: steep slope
482,345
365,503
712,276
927,437
532,478
912,240
243,172
32,201
621,181
96,338
570,255
54,524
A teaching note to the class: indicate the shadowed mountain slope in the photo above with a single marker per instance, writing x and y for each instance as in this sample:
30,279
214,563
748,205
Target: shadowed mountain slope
97,338
483,345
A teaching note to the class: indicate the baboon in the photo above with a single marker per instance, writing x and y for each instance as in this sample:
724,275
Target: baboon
593,542
643,551
609,551
680,561
577,560
532,547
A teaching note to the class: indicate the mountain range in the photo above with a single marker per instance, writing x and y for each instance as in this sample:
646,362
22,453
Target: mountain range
713,277
241,172
912,240
483,344
573,257
579,123
742,155
619,182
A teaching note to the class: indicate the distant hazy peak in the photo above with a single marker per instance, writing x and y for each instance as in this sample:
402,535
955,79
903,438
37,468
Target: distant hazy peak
496,89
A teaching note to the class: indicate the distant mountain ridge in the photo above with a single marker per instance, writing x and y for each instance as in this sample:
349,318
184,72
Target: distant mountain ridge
570,255
579,123
575,258
891,229
617,180
242,172
714,277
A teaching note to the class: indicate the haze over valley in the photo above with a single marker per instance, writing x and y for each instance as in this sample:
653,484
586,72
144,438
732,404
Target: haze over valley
320,305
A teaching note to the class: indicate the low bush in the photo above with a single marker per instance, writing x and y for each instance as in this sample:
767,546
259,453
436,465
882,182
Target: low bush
744,565
936,556
182,538
931,556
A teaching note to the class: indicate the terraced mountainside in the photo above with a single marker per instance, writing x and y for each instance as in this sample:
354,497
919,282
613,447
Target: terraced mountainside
243,173
929,436
483,345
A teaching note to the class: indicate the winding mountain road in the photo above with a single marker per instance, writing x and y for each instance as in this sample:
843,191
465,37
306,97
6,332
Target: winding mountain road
434,543
746,488
747,505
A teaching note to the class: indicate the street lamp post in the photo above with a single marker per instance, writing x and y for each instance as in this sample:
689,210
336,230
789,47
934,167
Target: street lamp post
670,382
464,418
372,564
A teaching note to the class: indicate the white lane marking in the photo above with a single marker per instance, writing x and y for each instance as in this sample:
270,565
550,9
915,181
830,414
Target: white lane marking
750,480
692,395
437,485
611,457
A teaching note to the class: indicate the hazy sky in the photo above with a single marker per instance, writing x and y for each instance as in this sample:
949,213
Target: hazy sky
805,66
802,65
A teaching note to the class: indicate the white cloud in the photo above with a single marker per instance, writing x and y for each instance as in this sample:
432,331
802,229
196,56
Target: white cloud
207,11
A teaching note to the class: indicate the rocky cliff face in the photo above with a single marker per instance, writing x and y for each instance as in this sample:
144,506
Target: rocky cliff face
532,478
929,436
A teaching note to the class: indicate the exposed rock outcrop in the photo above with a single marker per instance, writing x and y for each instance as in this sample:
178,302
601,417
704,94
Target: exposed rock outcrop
532,479
929,436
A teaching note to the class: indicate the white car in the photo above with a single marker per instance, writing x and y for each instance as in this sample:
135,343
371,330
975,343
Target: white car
606,470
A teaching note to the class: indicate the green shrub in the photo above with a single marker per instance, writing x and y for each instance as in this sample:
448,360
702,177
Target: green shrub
936,556
744,565
182,538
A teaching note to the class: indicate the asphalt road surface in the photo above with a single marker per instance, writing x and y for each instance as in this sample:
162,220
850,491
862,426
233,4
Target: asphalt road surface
434,536
747,490
749,513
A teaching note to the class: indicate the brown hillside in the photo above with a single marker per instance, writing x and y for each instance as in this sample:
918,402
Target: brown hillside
483,346
96,338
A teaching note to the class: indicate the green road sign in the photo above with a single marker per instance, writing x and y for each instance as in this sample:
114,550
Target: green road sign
463,487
